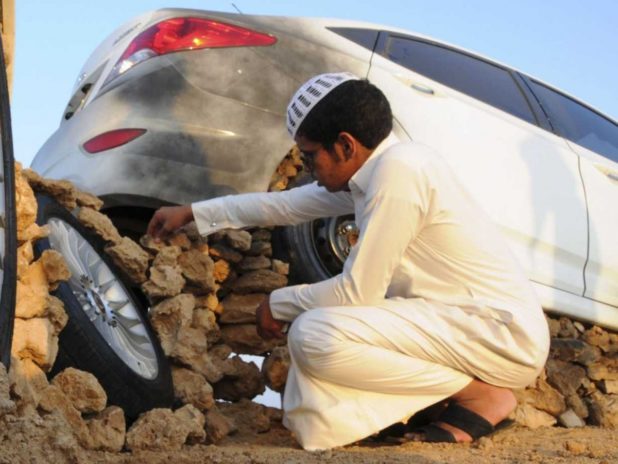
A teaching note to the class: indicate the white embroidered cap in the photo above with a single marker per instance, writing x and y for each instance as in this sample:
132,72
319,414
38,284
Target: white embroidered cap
310,93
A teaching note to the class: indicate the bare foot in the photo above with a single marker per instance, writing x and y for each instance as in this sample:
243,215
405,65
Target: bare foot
490,402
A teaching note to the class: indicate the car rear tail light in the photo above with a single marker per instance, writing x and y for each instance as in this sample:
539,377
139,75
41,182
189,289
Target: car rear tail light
112,139
177,34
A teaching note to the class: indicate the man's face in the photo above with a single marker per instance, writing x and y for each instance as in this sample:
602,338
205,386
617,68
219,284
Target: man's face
331,168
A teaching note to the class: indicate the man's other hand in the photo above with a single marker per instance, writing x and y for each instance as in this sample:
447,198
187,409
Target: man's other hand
168,219
267,326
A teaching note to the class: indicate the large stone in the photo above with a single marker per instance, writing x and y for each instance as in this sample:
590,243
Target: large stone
25,255
609,386
244,339
62,191
221,251
574,350
30,300
543,396
167,256
567,328
25,202
206,322
603,410
191,348
193,421
6,404
210,302
565,377
198,269
82,389
88,200
218,426
55,267
54,399
247,382
192,388
107,430
596,336
164,282
157,430
56,314
34,339
238,239
570,420
151,244
100,224
260,281
27,381
263,235
221,270
253,263
32,233
578,406
275,368
528,416
240,309
169,317
131,258
604,369
280,267
260,248
180,239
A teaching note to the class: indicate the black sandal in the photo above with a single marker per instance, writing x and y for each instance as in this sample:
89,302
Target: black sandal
470,422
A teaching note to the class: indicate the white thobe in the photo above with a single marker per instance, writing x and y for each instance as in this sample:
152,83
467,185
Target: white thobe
429,298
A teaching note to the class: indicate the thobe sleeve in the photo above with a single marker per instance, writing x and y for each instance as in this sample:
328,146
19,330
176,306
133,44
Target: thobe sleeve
394,208
290,207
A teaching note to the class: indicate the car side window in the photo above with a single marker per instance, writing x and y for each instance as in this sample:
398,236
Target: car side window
578,123
465,73
365,37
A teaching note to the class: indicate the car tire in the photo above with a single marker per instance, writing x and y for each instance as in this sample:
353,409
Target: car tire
108,333
8,231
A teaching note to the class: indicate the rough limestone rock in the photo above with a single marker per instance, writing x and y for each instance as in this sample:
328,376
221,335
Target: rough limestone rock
62,191
564,376
210,302
151,245
218,426
31,300
275,368
604,369
55,267
193,421
280,267
247,382
157,430
56,314
238,239
27,381
261,281
6,404
107,430
54,399
609,386
533,418
32,233
206,321
169,317
192,232
240,309
543,396
228,254
577,404
131,258
167,256
603,410
260,248
192,388
24,198
88,200
256,415
574,350
198,269
82,389
34,339
570,419
180,240
25,255
221,270
244,339
263,235
100,224
164,282
253,263
191,349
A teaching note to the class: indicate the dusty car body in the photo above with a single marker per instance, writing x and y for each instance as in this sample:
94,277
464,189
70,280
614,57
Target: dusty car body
145,129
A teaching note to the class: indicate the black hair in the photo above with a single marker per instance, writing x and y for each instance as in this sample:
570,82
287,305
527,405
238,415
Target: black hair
357,107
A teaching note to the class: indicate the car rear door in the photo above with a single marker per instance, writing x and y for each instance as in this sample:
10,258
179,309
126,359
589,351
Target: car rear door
595,139
477,116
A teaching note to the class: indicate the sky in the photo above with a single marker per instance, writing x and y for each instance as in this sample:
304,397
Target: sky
570,44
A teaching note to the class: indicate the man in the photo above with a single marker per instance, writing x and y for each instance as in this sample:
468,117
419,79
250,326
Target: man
430,304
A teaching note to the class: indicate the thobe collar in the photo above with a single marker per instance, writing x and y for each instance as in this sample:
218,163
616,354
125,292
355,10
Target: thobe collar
360,179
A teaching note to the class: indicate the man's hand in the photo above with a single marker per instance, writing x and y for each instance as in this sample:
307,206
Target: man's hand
168,219
267,326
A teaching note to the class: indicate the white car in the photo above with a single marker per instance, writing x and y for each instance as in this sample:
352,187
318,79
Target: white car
182,105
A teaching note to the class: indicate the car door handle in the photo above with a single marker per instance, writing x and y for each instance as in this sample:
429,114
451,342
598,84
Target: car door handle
423,88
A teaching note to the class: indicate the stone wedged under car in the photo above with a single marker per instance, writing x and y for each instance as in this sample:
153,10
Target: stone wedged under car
154,120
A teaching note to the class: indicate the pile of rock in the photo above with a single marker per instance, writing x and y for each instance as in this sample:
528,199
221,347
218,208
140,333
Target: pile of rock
579,384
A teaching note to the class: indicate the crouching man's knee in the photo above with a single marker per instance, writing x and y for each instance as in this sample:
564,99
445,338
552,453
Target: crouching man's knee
312,339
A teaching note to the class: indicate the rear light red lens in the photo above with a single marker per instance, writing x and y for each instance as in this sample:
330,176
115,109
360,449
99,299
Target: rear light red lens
112,139
177,34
